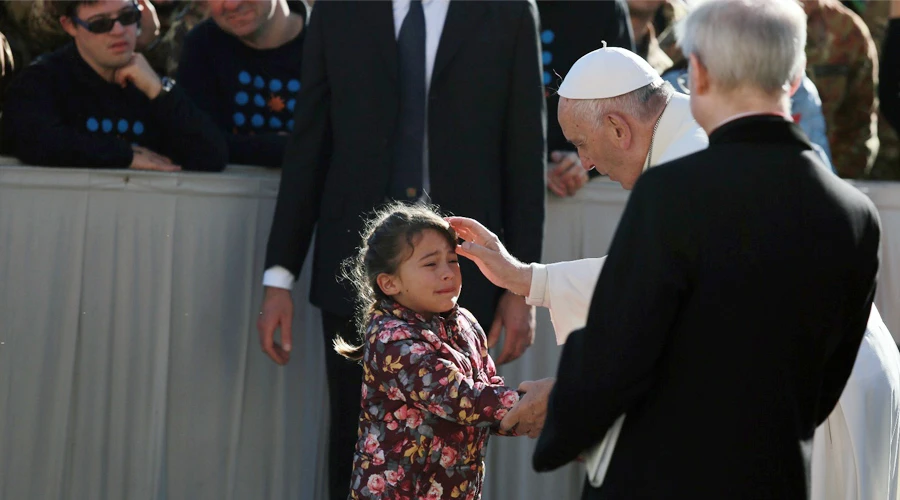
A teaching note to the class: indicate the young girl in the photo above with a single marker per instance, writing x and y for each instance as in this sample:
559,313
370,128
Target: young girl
430,394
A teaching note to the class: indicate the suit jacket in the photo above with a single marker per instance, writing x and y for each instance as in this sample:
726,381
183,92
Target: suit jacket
725,322
486,124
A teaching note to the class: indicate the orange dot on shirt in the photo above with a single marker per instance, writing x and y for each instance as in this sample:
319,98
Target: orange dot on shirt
276,103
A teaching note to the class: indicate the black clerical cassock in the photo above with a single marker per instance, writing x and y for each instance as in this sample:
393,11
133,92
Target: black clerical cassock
724,325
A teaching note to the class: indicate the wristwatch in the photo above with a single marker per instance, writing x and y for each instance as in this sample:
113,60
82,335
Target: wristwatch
167,83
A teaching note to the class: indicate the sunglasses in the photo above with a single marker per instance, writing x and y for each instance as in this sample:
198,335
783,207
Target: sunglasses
106,24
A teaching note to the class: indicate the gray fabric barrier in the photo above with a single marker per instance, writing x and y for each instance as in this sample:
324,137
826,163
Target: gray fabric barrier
129,363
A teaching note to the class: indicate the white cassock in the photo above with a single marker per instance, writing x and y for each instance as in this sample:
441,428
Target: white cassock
856,450
566,288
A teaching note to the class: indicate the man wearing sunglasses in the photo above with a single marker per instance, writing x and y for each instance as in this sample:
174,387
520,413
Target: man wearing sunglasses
97,103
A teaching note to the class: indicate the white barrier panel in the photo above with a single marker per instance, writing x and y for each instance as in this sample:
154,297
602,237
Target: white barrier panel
129,362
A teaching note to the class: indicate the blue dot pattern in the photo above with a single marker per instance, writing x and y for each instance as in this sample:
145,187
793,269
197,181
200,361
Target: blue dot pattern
263,104
121,127
547,36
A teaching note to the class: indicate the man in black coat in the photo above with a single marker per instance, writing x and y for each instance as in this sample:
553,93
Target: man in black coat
730,309
470,138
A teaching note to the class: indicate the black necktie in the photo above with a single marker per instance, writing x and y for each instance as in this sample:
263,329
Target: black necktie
406,179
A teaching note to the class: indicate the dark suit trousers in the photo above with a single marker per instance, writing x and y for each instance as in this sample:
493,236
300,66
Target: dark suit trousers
344,393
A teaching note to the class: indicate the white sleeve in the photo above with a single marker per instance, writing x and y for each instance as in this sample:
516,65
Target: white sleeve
278,277
537,294
568,292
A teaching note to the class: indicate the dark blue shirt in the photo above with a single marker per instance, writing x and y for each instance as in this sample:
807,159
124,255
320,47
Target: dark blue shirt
60,112
249,93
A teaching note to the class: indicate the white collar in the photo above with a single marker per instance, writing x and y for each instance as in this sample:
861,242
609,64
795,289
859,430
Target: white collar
671,119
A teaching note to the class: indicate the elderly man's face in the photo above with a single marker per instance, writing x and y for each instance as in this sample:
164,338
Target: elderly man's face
597,146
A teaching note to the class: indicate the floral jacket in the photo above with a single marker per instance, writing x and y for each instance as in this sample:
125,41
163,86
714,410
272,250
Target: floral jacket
430,399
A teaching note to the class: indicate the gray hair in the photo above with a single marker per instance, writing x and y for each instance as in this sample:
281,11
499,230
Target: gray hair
643,104
747,42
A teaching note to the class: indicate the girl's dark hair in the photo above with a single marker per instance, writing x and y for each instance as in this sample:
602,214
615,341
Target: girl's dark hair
388,240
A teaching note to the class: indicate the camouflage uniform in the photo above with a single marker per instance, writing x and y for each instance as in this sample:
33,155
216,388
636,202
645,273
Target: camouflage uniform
887,164
166,52
842,62
31,30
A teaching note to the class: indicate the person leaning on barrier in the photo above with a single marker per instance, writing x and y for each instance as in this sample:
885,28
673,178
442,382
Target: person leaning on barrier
96,103
242,67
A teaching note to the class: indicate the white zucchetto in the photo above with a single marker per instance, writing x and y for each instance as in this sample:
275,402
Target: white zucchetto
607,72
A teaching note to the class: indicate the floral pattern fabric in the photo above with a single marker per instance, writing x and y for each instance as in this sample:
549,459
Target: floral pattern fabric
430,399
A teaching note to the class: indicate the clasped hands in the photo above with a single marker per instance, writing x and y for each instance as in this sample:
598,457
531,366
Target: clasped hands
528,415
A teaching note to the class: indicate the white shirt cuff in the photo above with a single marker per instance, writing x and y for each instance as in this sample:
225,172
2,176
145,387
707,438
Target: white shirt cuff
278,277
537,294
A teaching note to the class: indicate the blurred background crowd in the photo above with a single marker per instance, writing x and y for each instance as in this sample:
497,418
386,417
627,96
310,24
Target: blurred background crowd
848,105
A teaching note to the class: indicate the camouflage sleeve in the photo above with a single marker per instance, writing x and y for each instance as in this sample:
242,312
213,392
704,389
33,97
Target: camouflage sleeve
855,131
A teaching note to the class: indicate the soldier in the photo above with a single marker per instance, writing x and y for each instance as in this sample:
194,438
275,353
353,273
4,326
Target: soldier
842,62
876,14
30,30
